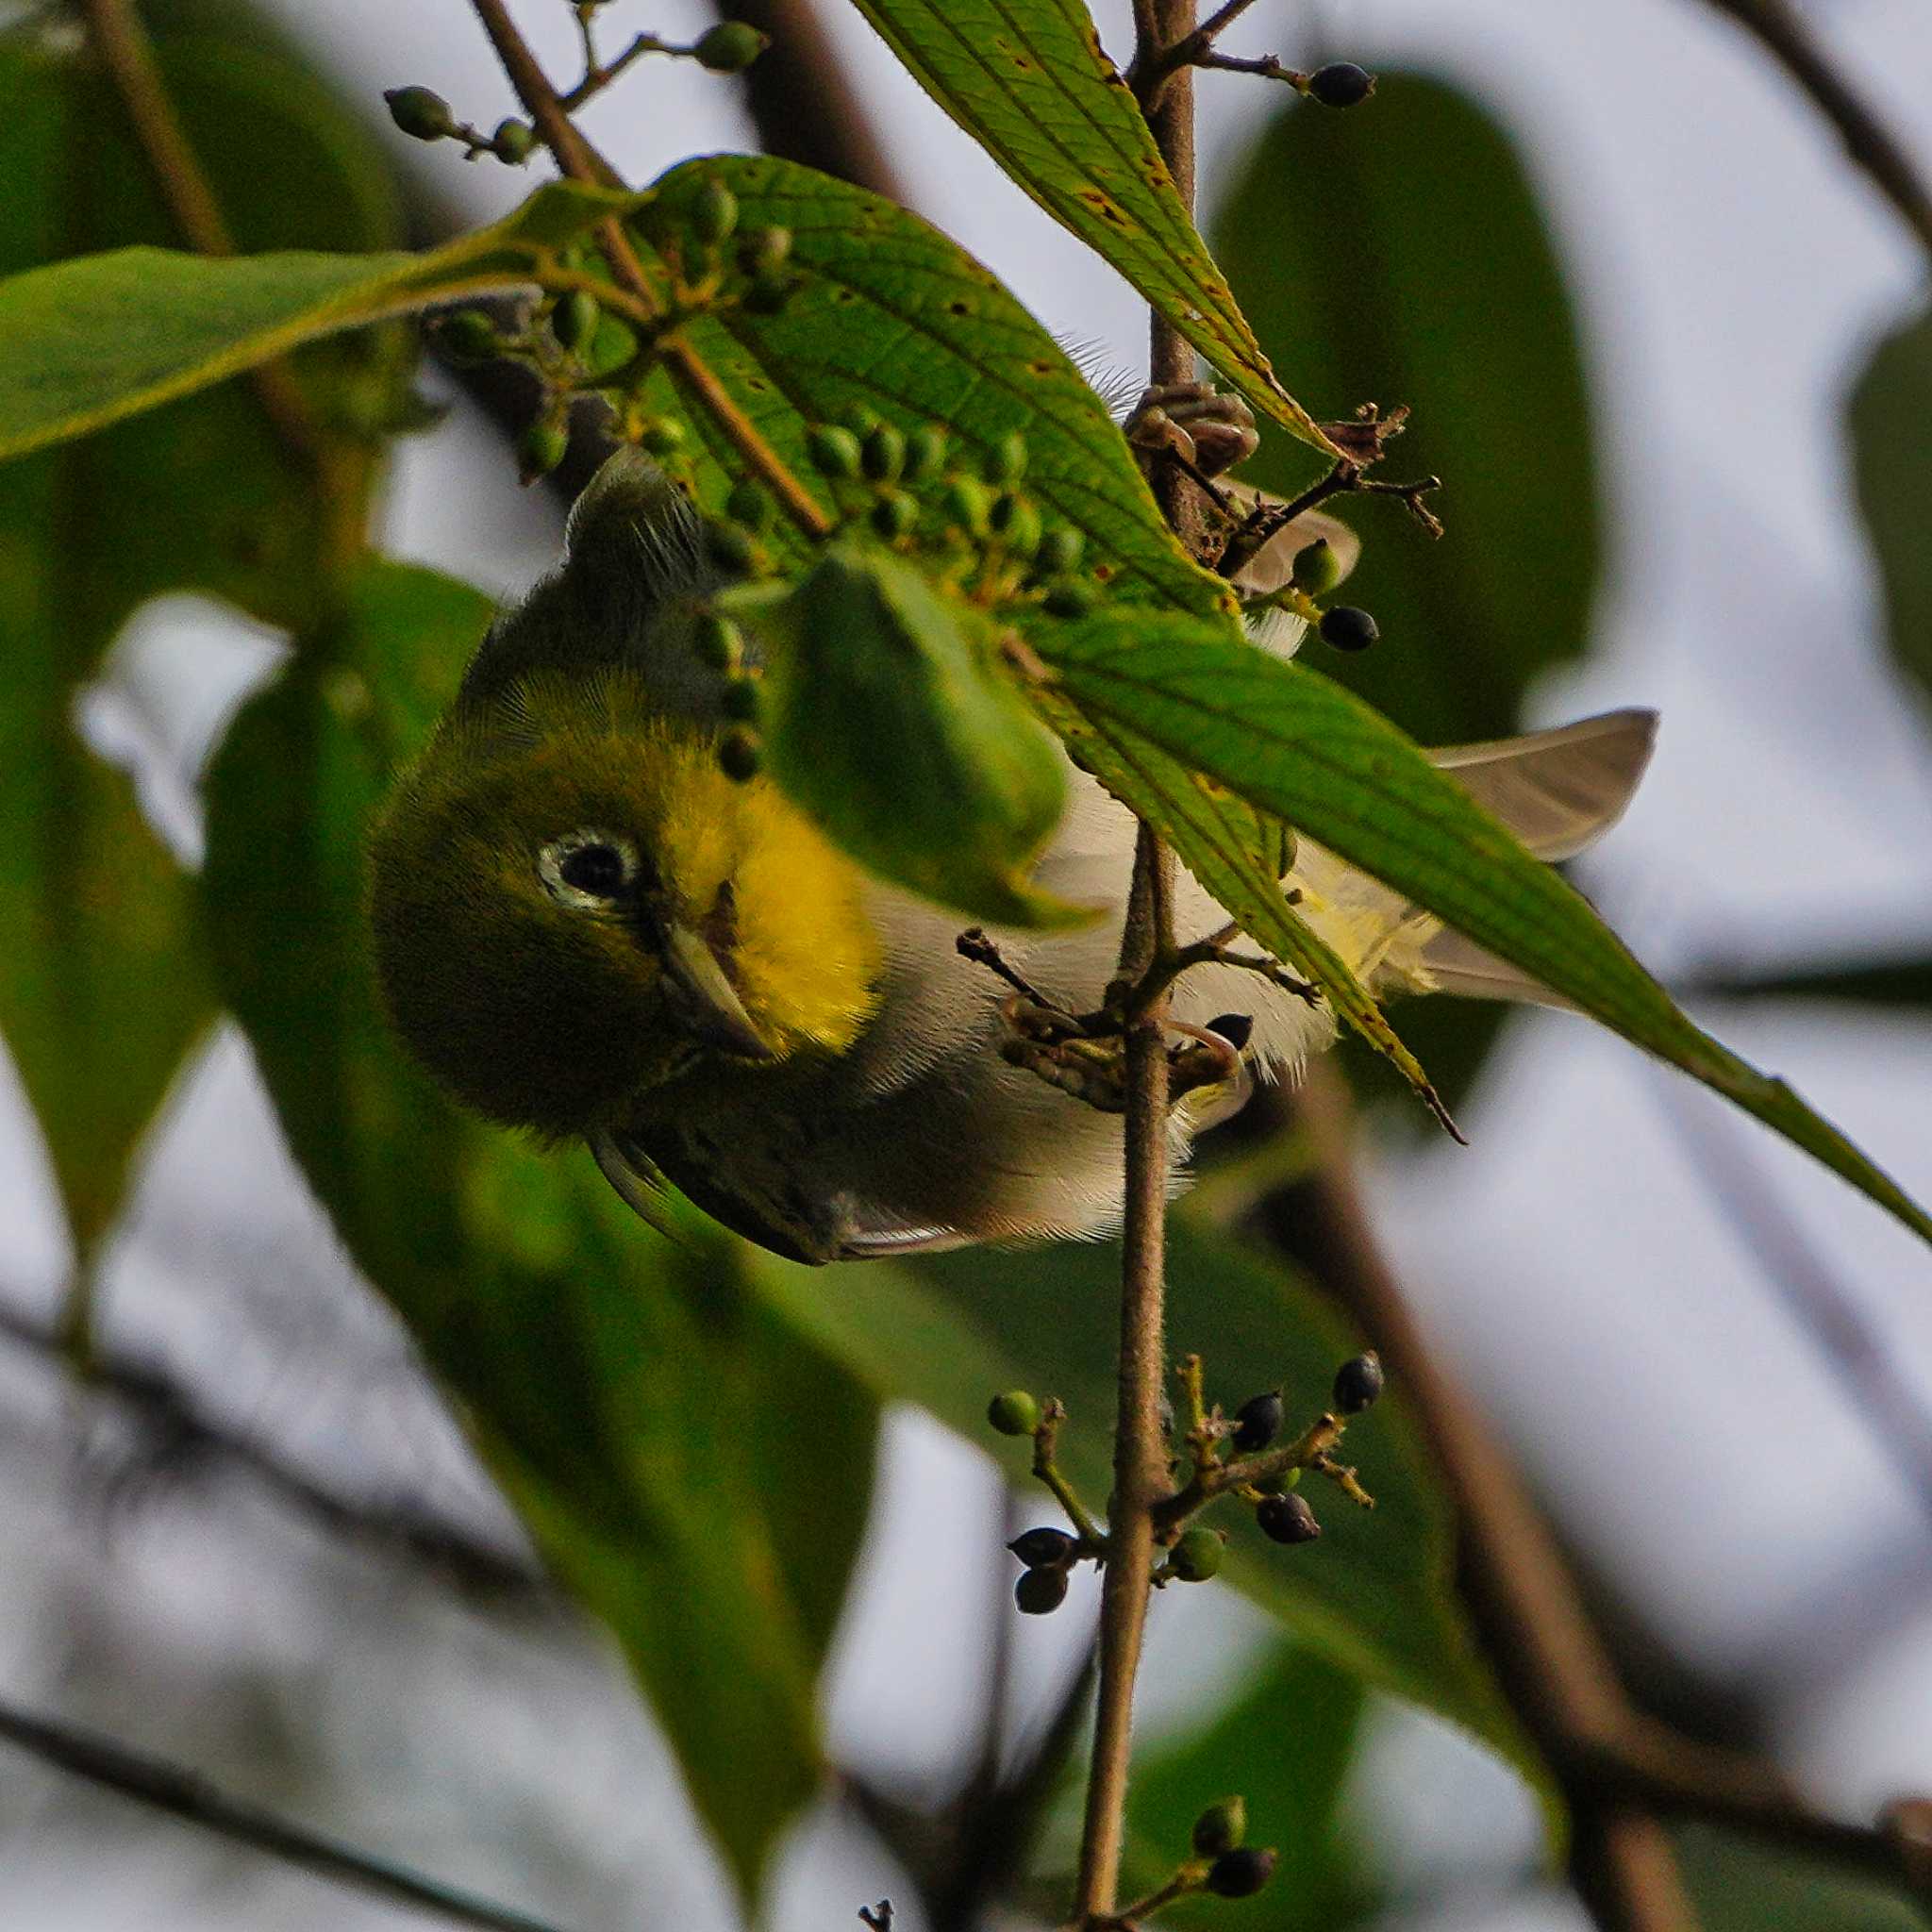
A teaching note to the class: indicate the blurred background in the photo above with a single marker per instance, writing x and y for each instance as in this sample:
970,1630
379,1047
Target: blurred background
1630,285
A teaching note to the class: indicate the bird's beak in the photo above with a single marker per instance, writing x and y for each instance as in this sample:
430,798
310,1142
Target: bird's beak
714,1011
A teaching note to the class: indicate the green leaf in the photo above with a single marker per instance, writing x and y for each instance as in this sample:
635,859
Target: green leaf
888,723
693,1468
1890,408
95,340
1740,1885
889,316
1374,281
1291,742
951,1330
1284,1744
1029,81
103,985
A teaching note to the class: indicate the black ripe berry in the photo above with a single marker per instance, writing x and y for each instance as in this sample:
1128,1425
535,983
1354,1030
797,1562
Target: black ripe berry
1348,629
1043,1549
1039,1591
1258,1421
1357,1383
1242,1872
1287,1519
1341,84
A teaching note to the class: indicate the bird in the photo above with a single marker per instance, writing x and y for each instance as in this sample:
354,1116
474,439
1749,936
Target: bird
583,927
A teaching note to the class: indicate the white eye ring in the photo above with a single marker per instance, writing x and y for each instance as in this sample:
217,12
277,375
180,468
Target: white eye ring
554,868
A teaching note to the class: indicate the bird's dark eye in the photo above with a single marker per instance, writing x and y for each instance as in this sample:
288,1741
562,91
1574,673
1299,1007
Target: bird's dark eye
595,868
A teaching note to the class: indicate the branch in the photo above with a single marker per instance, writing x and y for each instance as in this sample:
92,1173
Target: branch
1141,1470
166,1408
186,1795
1781,30
580,161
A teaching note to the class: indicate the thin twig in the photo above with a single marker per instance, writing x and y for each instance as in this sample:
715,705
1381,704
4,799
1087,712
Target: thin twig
124,49
186,1795
1781,30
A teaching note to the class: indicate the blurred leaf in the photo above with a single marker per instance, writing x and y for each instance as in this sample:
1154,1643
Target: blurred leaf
951,1330
104,336
1740,1885
1890,408
1294,742
1877,982
890,315
890,726
1350,237
693,1467
1284,1744
1029,81
104,984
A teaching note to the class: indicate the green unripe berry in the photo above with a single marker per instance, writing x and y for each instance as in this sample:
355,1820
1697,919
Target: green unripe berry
1341,84
543,446
748,504
661,437
1015,522
1015,1413
717,643
765,251
574,320
1005,462
833,450
1040,1592
926,453
714,212
1070,600
514,142
740,700
730,547
471,334
1258,1421
883,453
1059,551
1043,1549
1241,1872
1221,1827
1357,1383
1347,629
421,112
1287,1519
737,754
1317,569
730,46
612,345
968,504
895,515
1197,1556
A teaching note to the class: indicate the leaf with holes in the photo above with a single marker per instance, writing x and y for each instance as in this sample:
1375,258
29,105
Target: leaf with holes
1029,81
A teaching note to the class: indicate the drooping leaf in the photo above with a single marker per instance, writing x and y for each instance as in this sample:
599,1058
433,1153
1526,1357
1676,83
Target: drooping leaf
1284,1744
1290,741
693,1468
1888,411
104,336
103,984
1029,81
889,723
1374,1594
1348,237
1902,982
